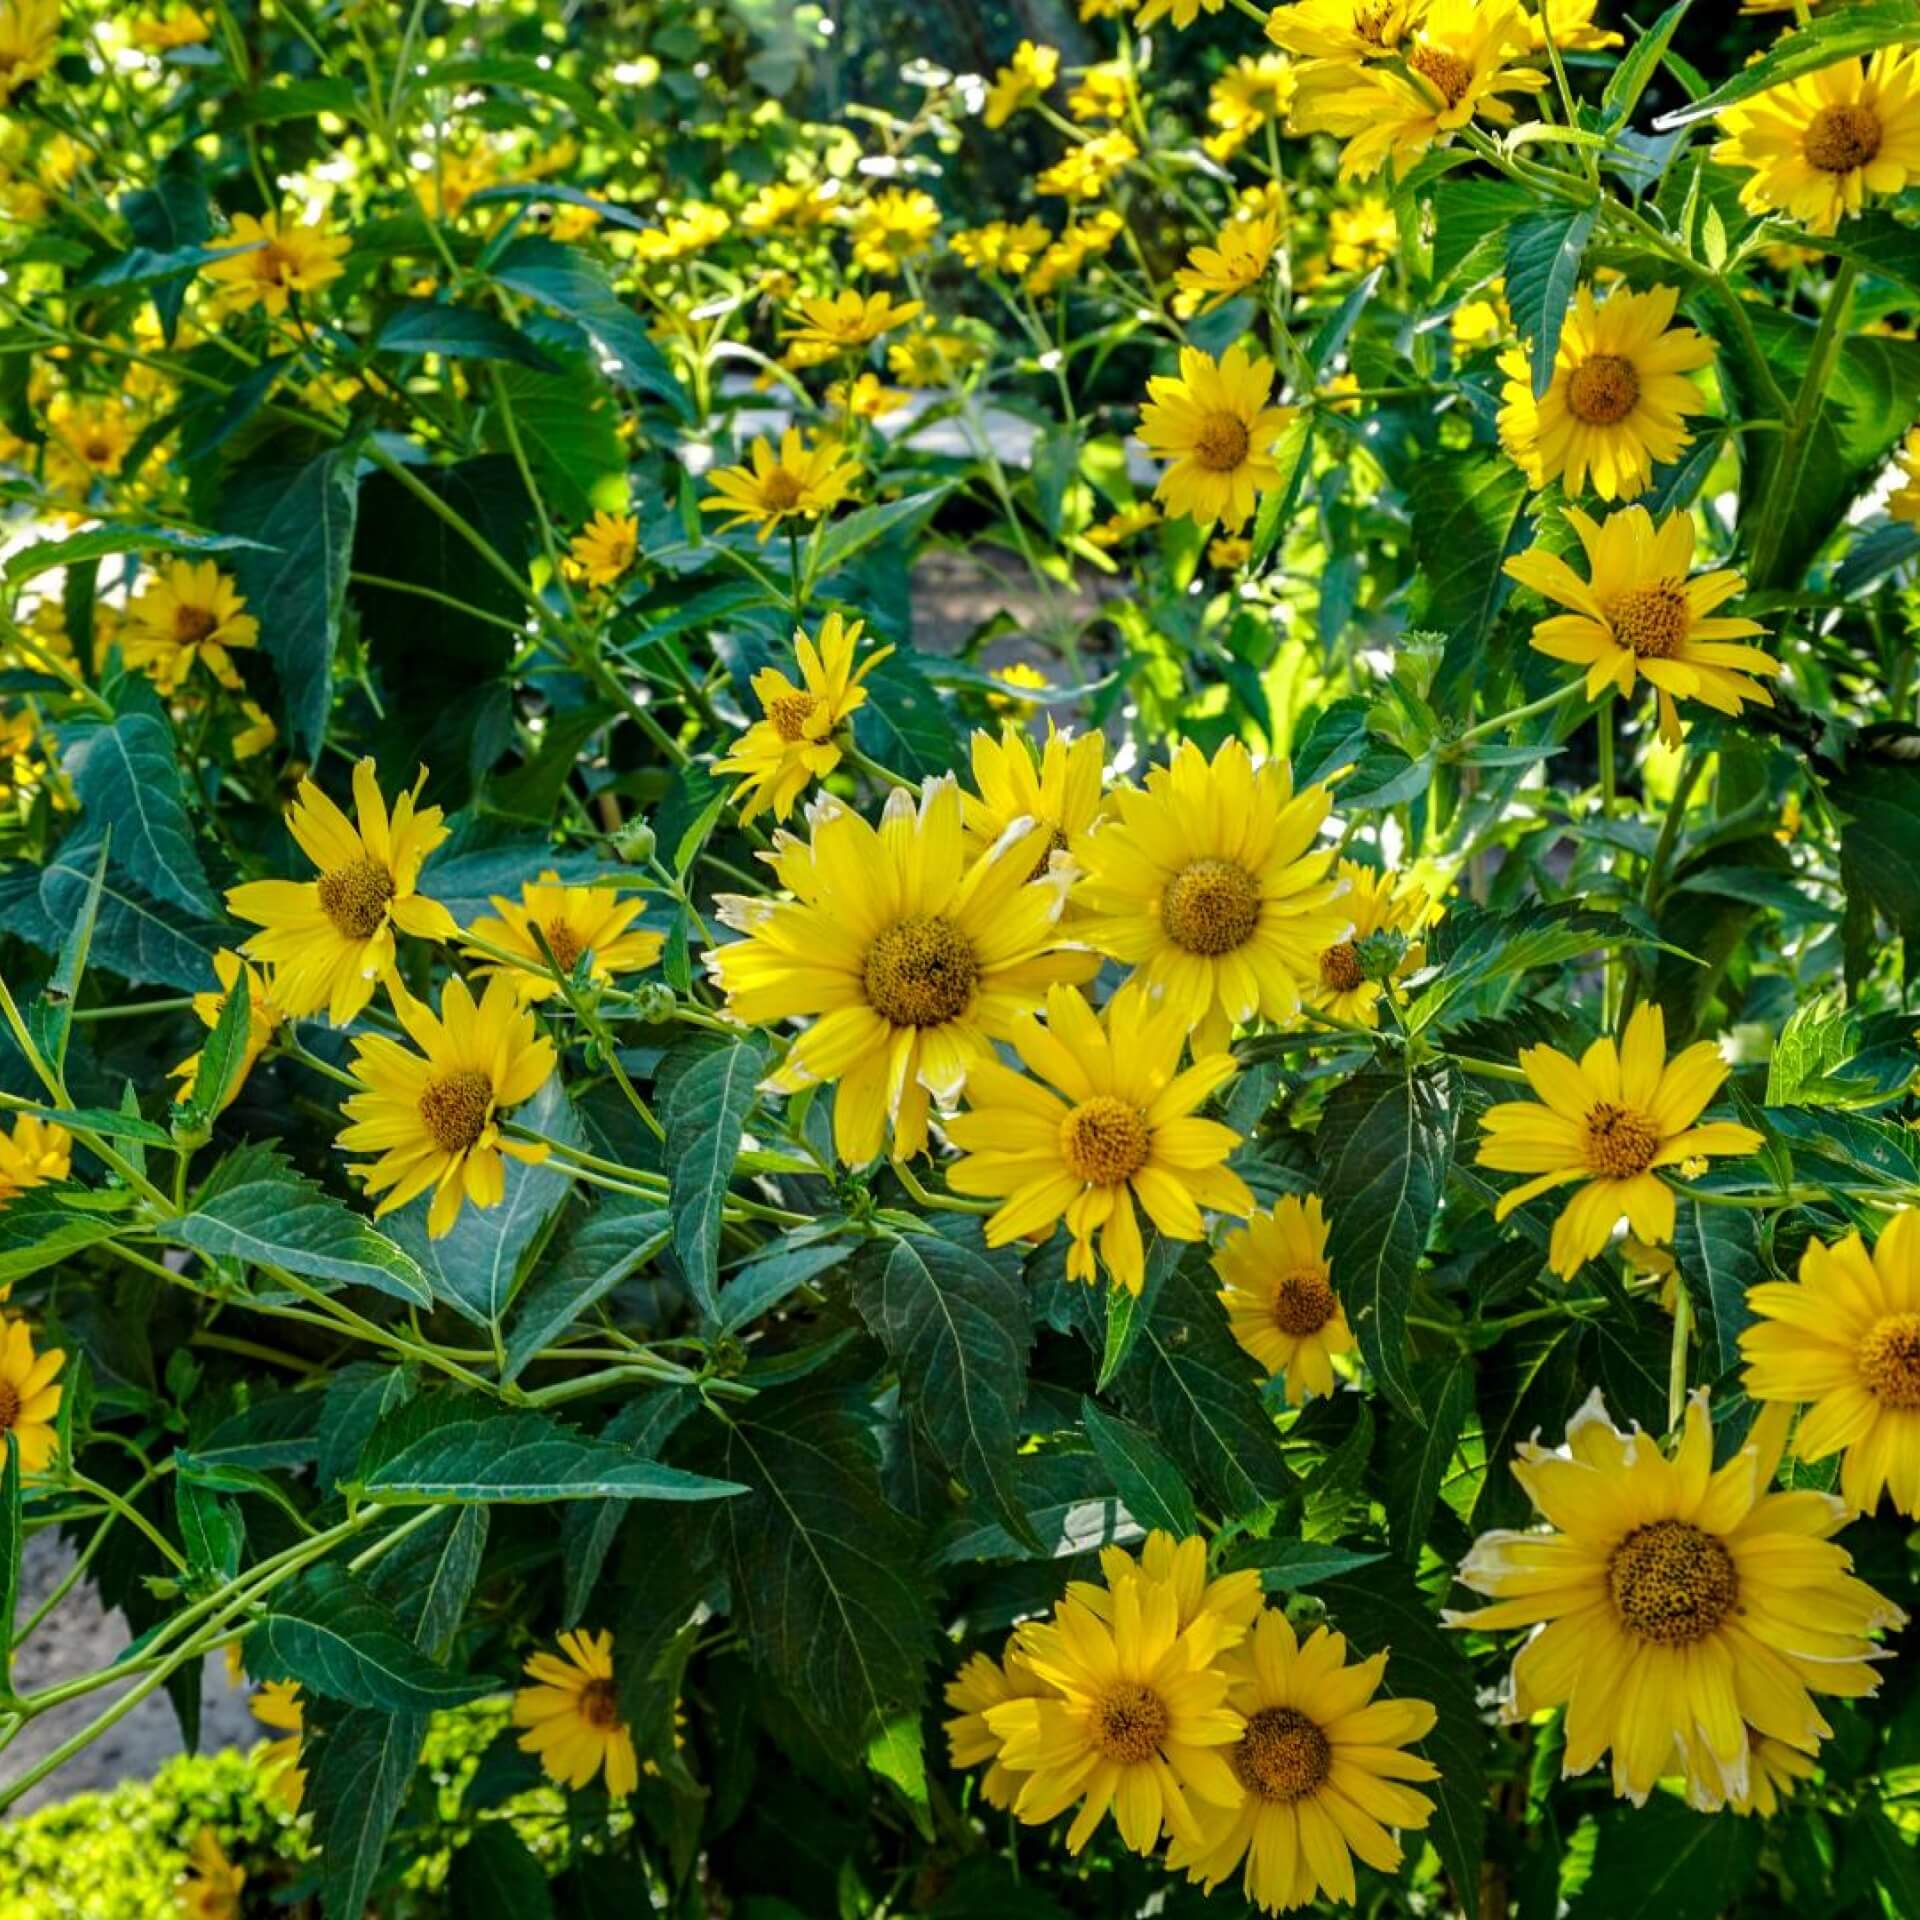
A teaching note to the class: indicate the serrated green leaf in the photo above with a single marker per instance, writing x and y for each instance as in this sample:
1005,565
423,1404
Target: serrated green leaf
1717,1250
457,333
1544,251
1293,1566
568,427
1143,1476
359,1770
764,1283
858,531
1638,64
1663,1861
428,1579
618,1237
706,1112
127,775
1420,1451
222,1059
39,1229
496,1877
903,725
143,940
1841,35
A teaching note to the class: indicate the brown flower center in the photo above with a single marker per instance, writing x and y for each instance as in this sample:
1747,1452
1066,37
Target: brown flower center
1105,1141
1282,1755
1651,622
1211,907
1890,1360
921,972
790,713
1340,968
275,265
1221,444
9,1406
1449,75
1842,137
1603,389
455,1108
599,1705
1620,1142
1056,842
97,452
1672,1582
780,491
355,897
566,944
1129,1723
191,625
1303,1302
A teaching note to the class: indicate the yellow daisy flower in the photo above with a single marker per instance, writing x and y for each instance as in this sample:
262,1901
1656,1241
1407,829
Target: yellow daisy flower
686,234
1279,1297
330,939
802,483
605,548
893,229
1121,527
1904,502
29,37
433,1117
840,322
1377,903
1229,552
278,1705
1212,421
1004,247
1349,30
29,1399
1612,1122
795,741
971,1741
1774,1772
87,440
178,26
912,953
1255,89
264,1020
1571,24
1845,1339
1060,792
865,398
213,1885
1136,1720
1182,13
1020,681
594,921
279,262
801,207
35,1152
1228,1605
1086,172
1082,241
1641,614
1207,886
257,735
1675,1604
1240,260
1819,146
1362,235
572,1716
1618,400
189,612
1322,1764
1102,92
1023,80
1120,1129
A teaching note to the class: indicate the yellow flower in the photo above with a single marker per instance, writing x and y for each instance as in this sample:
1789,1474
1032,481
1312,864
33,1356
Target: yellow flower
1101,92
1279,1299
29,1399
1572,26
1227,1607
1377,903
1183,13
1481,320
1086,172
1618,399
865,398
1846,1339
840,322
803,482
572,1715
930,358
1640,613
1060,793
433,1117
1001,246
1774,1771
1213,422
29,32
35,1152
1121,527
1323,1765
1240,260
605,548
794,743
1135,1719
1818,146
1031,72
279,263
330,939
1229,552
1255,89
912,954
257,735
1611,1122
1120,1129
1674,1602
452,178
1082,241
971,1742
1021,681
893,229
1207,886
1904,502
178,26
87,440
787,204
1363,234
278,1705
212,1888
189,613
1349,30
264,1019
593,921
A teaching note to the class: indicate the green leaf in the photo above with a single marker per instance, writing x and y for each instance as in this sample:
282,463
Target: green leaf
526,1458
1274,513
127,777
1841,35
222,1060
1069,1503
144,941
588,1530
457,333
1145,1478
1292,1566
256,1208
955,1322
897,1753
1419,1451
428,1579
1877,240
1891,1859
496,1877
1384,1145
359,1769
706,1111
904,725
43,556
1663,1861
1544,251
569,428
1470,216
326,1631
621,1235
211,1530
763,1283
1641,61
1468,516
39,1228
356,1399
843,539
1718,1251
1879,806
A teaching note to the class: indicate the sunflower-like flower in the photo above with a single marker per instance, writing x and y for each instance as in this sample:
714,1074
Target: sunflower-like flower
575,921
1845,1338
1023,80
29,37
1572,27
1675,1606
35,1152
865,398
1182,13
795,741
1774,1772
1323,1766
1240,259
433,1117
801,483
1086,172
1642,614
1362,235
1904,502
1206,885
1611,1121
1817,147
894,229
1119,528
330,940
1279,1296
572,1715
1376,903
1227,1604
838,323
214,1884
1121,1128
87,440
189,612
1347,30
912,954
1001,246
1618,400
29,1395
278,1705
278,262
604,548
1256,89
175,26
980,1684
1059,792
1213,422
265,1017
